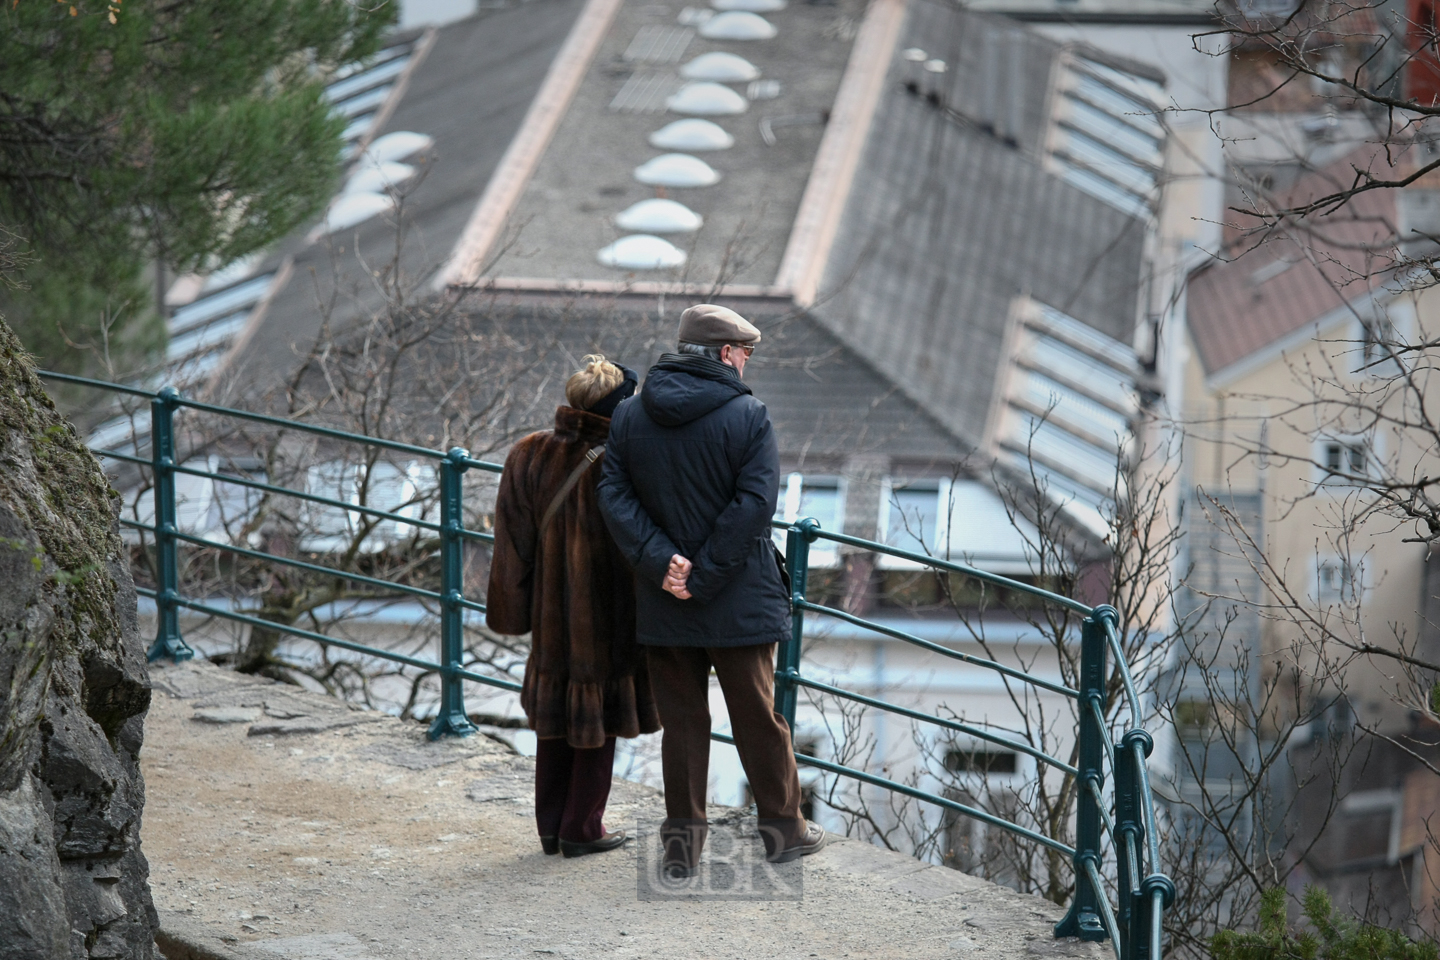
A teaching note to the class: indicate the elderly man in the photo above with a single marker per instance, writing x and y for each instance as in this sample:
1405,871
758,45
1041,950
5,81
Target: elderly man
690,482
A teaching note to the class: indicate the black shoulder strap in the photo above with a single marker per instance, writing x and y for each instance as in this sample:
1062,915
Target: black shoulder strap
591,455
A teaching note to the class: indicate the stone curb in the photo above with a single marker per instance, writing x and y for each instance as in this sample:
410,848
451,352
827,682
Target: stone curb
180,938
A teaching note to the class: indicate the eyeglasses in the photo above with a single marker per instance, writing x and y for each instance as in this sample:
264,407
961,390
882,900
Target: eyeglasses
749,349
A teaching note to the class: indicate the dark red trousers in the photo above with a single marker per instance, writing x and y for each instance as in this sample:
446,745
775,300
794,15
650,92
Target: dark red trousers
680,677
571,787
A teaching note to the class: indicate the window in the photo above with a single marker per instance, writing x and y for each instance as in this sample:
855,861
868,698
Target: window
1343,461
912,513
388,487
818,496
984,534
984,762
1338,580
1106,138
1344,458
1379,343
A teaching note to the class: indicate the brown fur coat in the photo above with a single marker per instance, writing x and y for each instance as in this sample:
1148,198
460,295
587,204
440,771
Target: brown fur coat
573,592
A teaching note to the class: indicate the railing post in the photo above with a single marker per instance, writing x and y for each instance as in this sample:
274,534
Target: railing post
797,561
451,720
1133,915
1083,920
168,642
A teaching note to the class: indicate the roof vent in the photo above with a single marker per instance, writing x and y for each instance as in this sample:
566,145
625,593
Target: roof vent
763,90
659,216
641,252
677,170
722,67
692,135
378,177
737,25
706,99
398,146
352,209
749,6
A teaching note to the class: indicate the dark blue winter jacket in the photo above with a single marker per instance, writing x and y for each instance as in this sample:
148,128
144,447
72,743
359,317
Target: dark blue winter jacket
691,467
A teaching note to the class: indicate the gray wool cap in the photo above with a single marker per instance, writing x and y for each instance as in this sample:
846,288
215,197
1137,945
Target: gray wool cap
714,326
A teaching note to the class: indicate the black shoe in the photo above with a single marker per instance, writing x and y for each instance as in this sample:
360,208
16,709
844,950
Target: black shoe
811,841
675,872
574,848
551,845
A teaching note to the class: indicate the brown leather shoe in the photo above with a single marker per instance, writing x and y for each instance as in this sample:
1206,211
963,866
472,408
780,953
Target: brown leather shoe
578,848
811,841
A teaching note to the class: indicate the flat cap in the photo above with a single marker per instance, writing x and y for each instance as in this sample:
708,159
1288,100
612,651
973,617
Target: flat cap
713,326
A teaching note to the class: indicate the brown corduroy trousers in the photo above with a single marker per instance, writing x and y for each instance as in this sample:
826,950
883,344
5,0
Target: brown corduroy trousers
680,679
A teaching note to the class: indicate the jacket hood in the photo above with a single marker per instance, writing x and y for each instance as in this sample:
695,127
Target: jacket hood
681,388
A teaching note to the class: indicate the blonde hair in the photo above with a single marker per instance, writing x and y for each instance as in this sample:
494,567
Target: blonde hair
591,385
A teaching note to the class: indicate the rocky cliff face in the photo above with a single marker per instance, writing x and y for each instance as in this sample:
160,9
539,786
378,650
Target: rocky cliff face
73,695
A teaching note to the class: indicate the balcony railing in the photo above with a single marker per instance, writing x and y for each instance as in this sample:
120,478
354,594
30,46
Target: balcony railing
1134,924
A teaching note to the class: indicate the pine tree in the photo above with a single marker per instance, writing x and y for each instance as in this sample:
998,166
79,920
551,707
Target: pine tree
184,133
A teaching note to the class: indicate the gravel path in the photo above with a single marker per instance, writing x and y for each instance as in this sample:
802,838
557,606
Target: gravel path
280,824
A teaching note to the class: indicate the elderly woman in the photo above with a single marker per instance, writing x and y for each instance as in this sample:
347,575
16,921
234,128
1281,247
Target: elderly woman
557,575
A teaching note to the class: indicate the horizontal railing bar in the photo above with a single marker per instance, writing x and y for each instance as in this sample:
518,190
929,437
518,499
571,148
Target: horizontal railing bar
136,524
941,721
309,497
102,384
952,566
147,592
312,567
510,685
307,634
338,642
127,457
1106,914
936,648
477,535
315,429
485,465
919,794
472,605
429,665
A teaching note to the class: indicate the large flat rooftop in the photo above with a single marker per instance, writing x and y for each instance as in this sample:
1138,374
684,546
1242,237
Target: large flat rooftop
566,213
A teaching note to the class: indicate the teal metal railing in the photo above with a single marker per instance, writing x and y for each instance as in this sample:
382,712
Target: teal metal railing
1133,924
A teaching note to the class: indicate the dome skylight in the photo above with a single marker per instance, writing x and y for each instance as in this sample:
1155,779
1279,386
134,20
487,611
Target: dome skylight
676,170
641,252
737,25
659,216
352,209
722,67
691,135
706,99
378,177
397,146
